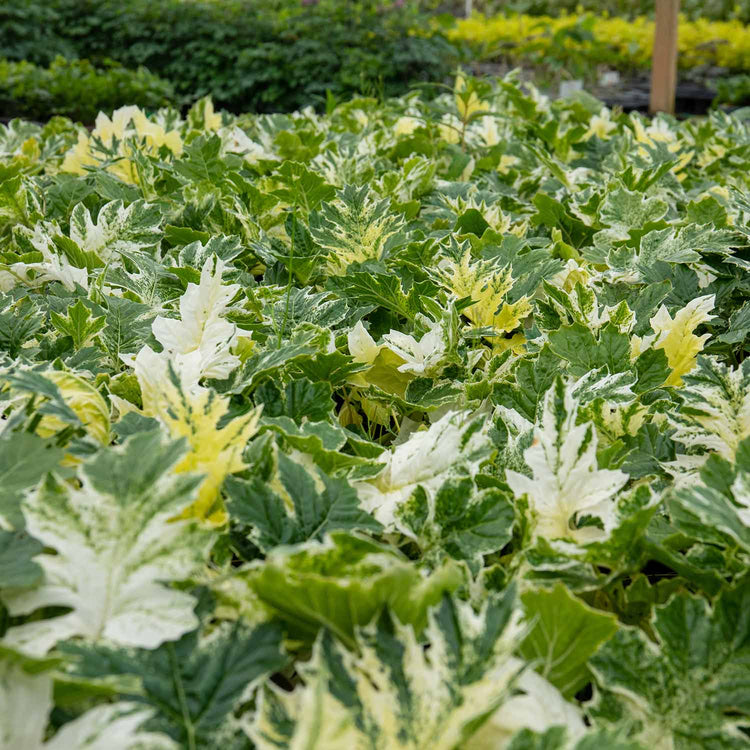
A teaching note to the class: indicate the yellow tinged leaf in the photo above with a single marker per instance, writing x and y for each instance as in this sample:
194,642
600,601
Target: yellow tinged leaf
385,374
676,337
406,125
467,105
488,288
377,412
509,316
516,343
214,452
84,400
126,123
194,413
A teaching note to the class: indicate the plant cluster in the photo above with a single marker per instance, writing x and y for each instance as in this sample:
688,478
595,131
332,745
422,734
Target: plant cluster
76,89
615,41
733,89
402,426
250,56
715,10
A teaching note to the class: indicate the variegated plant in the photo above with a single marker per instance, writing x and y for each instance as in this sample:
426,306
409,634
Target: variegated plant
411,425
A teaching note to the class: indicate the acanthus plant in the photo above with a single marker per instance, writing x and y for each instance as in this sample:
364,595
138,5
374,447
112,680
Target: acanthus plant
342,430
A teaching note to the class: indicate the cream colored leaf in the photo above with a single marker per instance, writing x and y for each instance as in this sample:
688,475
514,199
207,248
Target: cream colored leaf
200,342
565,483
427,458
114,547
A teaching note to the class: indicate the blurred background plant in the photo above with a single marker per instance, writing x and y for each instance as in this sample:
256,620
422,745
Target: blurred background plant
718,10
264,56
77,89
283,55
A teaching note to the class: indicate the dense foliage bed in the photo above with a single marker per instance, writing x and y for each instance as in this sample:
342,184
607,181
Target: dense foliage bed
402,426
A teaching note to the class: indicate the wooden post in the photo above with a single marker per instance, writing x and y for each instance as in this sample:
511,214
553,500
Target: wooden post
664,60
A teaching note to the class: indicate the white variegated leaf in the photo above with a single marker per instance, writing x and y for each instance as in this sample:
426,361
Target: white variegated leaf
54,266
537,706
455,442
715,410
566,484
200,341
115,547
117,229
421,357
394,694
25,704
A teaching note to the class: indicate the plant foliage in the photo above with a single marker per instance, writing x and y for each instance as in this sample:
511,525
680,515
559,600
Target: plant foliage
405,426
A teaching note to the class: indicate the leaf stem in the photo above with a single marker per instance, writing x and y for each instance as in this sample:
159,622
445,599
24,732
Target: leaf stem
288,284
189,726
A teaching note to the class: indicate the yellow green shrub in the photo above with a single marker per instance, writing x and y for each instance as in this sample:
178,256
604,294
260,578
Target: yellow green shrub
629,42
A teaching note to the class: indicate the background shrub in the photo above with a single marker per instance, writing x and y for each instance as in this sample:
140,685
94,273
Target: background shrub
715,10
76,89
272,55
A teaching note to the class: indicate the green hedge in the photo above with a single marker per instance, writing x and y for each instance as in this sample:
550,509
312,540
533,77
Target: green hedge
261,56
76,89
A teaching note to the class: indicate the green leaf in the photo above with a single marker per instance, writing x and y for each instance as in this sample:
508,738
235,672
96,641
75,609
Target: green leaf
128,326
15,198
564,634
692,687
554,215
17,568
19,322
652,369
383,290
460,522
323,441
79,323
739,326
471,222
301,187
25,458
201,161
556,739
301,399
647,450
683,245
334,368
623,210
342,583
264,364
533,378
585,352
302,258
192,685
321,504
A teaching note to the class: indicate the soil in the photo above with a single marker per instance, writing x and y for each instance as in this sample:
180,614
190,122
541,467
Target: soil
691,98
